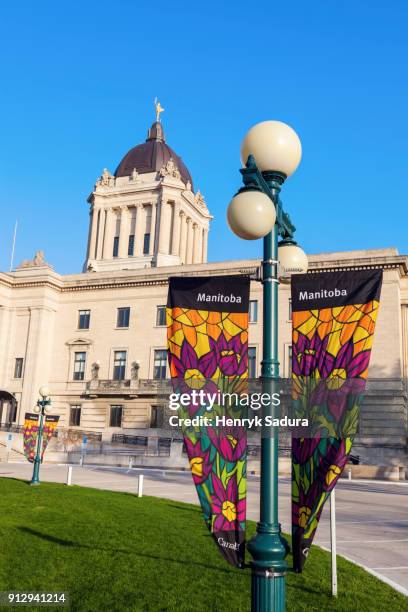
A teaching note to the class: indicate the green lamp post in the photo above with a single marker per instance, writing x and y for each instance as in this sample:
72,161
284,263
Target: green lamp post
42,405
271,151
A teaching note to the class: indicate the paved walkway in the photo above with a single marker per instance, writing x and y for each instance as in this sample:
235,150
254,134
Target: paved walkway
372,517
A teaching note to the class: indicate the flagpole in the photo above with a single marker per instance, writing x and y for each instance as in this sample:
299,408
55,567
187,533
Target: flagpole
14,246
333,543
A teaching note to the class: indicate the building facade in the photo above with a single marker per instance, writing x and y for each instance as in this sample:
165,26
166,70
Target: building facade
98,338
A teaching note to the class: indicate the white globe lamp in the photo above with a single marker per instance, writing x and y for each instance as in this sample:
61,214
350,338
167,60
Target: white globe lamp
44,391
292,259
251,214
275,147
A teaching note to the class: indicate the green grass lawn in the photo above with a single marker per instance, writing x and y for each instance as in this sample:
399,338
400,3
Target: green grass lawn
113,551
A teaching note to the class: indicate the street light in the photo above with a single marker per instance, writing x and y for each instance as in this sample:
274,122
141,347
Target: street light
292,259
251,215
41,409
271,151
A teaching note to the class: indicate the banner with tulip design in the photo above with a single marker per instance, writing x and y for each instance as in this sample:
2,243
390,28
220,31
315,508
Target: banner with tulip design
333,322
50,425
30,436
207,333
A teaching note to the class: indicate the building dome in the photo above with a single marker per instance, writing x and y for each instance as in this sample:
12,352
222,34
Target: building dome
151,156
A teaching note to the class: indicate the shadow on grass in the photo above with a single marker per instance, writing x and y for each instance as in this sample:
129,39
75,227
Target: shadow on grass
302,588
195,510
19,480
72,544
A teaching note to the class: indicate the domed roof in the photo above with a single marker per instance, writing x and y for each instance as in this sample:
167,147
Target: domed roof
151,156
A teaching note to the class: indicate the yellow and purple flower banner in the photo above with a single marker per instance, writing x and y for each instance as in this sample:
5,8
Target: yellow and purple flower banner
207,334
333,322
49,427
30,435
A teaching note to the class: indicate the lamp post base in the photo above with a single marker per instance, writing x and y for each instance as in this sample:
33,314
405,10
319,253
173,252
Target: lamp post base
268,590
268,549
35,480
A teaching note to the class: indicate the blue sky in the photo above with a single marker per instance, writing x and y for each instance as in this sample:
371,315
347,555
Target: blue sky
79,79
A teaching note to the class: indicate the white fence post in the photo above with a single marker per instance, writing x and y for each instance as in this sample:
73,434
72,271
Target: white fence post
130,463
349,474
9,443
69,475
140,486
333,543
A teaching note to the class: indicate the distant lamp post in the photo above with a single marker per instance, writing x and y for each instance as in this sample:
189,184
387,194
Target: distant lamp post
134,373
42,405
271,151
135,369
95,369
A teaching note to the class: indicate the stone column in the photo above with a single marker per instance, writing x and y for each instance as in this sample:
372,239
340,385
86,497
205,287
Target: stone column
196,243
94,231
404,317
100,232
164,230
175,239
189,251
205,246
38,358
88,247
124,231
183,236
140,227
153,229
107,241
6,333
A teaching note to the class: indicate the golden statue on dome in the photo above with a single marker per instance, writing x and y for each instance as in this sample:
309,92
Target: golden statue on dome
159,109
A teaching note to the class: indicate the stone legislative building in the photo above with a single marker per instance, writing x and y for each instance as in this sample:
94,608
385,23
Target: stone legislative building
98,338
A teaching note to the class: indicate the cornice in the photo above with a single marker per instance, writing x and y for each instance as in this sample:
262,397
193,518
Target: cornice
159,276
362,263
159,280
30,284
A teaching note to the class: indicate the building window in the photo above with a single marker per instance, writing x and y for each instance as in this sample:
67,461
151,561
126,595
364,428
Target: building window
146,244
253,311
252,362
156,416
123,317
119,365
161,316
75,416
116,246
131,245
18,367
79,366
160,364
290,310
84,319
115,419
